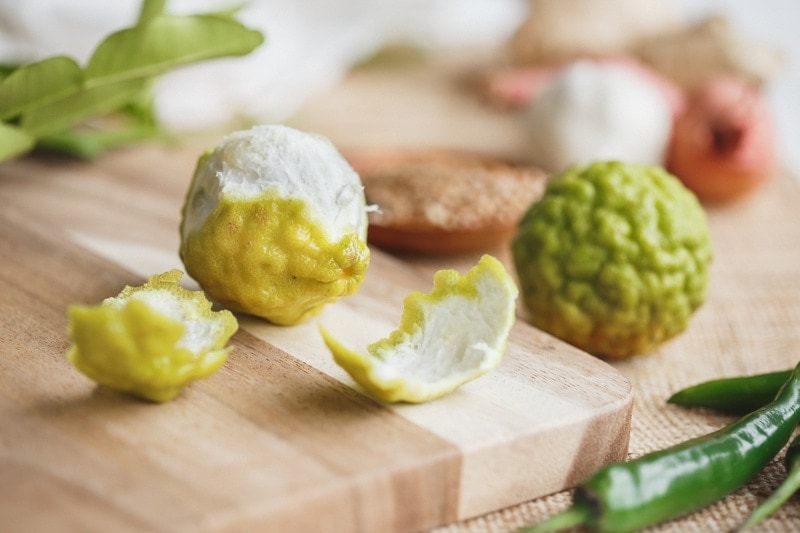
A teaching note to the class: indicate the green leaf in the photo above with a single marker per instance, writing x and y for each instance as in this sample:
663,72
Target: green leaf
14,142
88,144
38,84
44,101
165,42
151,9
6,69
62,114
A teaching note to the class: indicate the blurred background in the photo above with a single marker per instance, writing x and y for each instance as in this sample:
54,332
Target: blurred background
312,44
773,22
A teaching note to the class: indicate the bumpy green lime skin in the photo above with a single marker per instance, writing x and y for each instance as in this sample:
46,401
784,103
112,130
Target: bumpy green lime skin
614,258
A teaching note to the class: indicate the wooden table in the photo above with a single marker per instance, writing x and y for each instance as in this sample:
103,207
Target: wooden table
279,439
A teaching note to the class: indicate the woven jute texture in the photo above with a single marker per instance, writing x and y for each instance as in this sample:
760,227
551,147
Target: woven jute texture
749,324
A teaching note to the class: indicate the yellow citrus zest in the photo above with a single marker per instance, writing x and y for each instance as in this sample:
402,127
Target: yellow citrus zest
152,340
265,256
445,338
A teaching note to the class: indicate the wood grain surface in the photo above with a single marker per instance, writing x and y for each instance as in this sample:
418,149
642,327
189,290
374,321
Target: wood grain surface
279,439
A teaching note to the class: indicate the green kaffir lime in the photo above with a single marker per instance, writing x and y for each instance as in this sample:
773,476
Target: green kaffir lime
614,258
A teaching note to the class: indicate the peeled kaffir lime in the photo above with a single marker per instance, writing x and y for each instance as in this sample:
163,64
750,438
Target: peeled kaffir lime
614,258
275,224
152,340
447,337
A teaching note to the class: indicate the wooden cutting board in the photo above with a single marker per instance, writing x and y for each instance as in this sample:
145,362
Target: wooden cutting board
279,439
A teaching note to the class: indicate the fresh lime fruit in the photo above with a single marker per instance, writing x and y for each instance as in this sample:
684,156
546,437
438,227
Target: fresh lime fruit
447,337
151,340
275,224
614,258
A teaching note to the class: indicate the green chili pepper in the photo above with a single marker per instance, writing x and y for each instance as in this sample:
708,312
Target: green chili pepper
669,483
785,491
737,395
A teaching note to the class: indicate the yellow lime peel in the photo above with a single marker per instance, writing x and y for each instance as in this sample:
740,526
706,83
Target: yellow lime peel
152,340
266,256
448,337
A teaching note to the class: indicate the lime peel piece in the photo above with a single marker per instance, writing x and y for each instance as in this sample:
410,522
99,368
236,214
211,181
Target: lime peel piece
448,337
151,340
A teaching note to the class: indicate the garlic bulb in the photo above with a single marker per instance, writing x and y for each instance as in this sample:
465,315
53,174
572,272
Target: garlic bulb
598,111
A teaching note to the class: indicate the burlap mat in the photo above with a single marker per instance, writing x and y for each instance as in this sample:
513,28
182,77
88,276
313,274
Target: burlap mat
749,324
